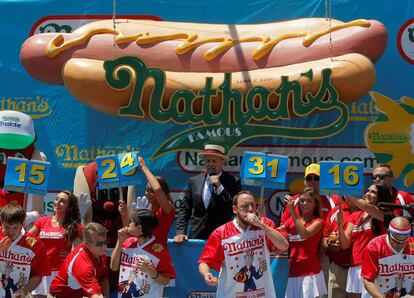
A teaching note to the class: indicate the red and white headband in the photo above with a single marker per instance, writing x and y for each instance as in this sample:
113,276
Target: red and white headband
399,231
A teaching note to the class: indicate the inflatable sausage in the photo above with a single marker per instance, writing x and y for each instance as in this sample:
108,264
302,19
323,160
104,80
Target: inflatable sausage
193,56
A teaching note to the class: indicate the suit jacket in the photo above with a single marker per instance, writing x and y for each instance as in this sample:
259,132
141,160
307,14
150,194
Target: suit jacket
219,210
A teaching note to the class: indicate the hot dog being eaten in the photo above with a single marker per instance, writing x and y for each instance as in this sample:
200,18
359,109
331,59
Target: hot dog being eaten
245,56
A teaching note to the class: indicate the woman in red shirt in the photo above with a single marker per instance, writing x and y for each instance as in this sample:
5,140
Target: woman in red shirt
361,228
158,195
58,232
305,233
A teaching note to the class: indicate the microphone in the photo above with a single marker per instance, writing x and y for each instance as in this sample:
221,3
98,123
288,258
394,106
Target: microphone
214,186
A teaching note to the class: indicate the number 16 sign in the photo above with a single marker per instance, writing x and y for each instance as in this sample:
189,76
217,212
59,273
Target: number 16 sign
343,178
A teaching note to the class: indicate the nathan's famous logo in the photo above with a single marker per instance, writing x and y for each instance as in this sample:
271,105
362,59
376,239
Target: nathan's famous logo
234,247
72,156
391,137
405,41
35,106
232,83
231,124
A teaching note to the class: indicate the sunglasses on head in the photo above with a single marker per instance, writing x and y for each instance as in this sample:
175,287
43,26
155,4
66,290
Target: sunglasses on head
381,176
312,178
398,240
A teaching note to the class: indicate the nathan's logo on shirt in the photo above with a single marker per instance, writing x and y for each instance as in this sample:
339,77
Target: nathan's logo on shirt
363,227
396,268
294,237
12,256
134,259
246,244
50,235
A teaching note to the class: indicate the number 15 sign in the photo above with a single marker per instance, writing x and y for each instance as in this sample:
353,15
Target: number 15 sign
28,176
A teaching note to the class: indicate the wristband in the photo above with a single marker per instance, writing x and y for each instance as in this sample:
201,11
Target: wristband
156,276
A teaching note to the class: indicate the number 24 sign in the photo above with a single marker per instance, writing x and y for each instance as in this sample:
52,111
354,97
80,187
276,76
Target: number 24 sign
119,170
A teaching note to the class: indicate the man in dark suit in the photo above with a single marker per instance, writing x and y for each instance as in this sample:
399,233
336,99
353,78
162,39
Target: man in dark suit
208,199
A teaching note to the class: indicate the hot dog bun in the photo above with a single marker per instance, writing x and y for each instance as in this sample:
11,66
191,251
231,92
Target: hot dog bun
352,75
189,53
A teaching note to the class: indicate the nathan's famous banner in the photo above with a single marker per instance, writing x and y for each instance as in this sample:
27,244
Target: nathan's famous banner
166,77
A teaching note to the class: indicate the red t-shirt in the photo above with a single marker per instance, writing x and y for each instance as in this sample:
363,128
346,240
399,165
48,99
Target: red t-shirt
361,235
80,274
343,256
131,278
328,202
304,253
165,221
229,248
402,198
391,271
57,248
26,257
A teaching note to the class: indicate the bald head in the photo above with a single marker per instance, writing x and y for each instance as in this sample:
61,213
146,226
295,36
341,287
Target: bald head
400,223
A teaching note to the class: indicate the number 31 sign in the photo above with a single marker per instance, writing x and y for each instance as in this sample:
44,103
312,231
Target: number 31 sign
343,178
261,169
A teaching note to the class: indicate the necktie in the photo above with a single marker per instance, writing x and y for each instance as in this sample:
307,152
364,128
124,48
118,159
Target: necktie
208,188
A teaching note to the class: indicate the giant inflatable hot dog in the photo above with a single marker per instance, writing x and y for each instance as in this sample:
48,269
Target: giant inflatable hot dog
202,58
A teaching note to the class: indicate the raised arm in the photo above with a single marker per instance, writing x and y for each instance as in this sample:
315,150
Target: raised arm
278,240
304,232
116,253
344,236
371,209
160,195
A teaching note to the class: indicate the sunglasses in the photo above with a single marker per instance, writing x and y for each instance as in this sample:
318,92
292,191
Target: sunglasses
381,176
312,178
398,240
